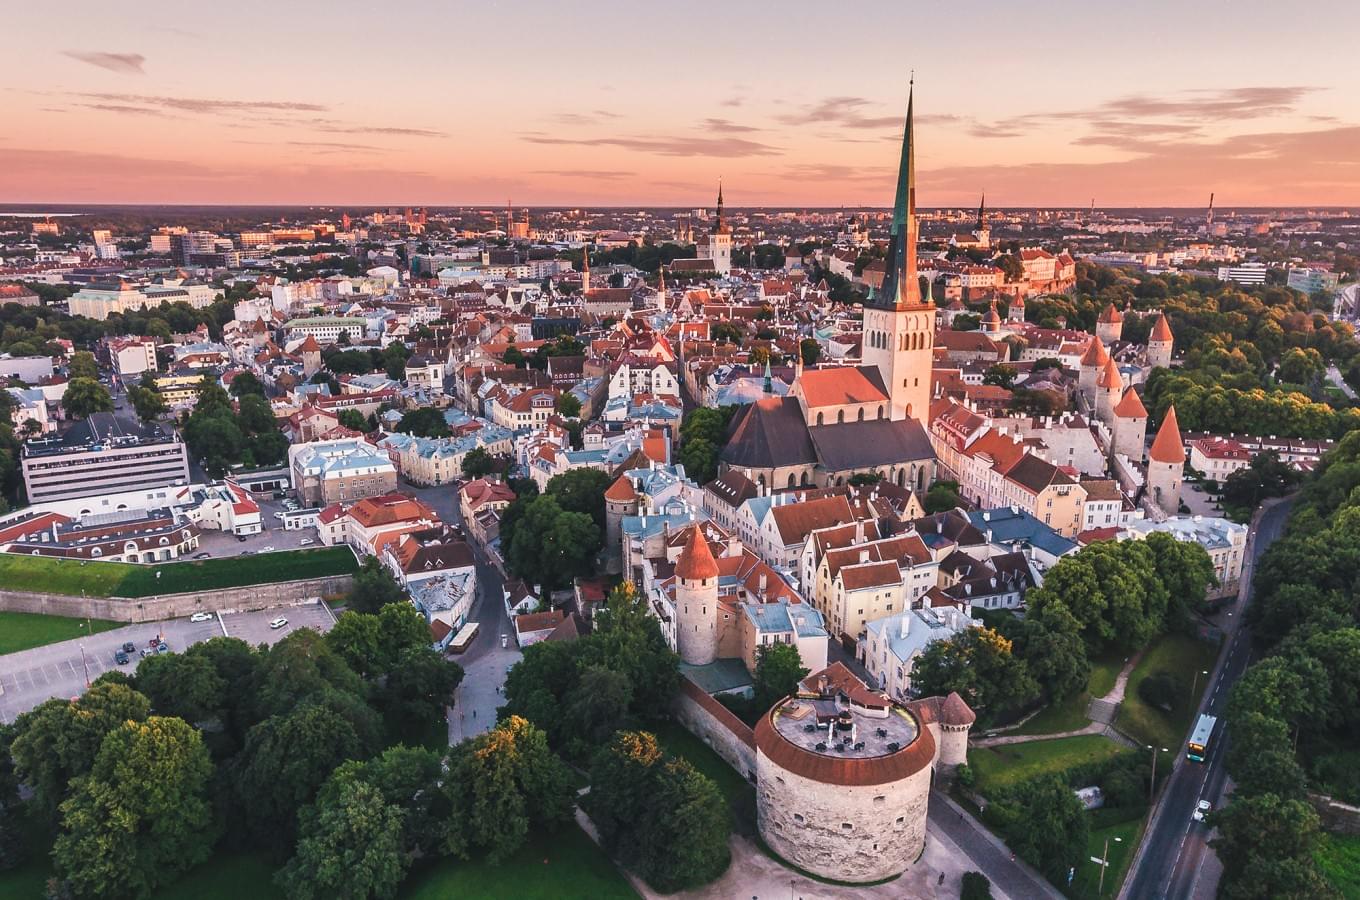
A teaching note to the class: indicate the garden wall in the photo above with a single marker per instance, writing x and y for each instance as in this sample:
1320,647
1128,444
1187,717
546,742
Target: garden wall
171,606
716,726
1335,815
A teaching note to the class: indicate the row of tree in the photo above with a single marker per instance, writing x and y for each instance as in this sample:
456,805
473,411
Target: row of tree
223,436
551,538
1294,716
1108,596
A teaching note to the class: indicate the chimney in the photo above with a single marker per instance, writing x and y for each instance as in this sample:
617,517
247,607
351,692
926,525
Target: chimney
763,579
864,555
905,626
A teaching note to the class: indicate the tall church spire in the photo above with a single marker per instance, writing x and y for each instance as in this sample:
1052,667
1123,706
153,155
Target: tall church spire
900,286
718,218
982,212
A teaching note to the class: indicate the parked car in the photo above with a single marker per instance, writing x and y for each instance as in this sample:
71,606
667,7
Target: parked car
162,647
201,617
147,651
203,555
129,647
278,623
241,538
306,542
153,643
267,550
1202,809
120,657
278,515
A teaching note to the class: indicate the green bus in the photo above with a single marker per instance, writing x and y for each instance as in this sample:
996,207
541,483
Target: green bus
1198,746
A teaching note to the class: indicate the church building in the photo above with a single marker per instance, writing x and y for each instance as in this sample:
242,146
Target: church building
838,422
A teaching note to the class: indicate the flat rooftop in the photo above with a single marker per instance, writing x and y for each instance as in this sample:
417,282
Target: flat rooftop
840,731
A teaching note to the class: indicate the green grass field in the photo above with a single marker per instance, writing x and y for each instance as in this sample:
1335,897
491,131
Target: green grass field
111,579
1001,767
1123,839
24,631
546,865
1339,859
564,864
1182,657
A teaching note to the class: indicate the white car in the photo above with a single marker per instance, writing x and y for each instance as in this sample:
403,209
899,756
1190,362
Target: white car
201,617
1202,809
278,623
306,542
278,515
267,550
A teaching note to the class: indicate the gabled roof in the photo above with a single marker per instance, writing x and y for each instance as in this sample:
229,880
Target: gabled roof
839,386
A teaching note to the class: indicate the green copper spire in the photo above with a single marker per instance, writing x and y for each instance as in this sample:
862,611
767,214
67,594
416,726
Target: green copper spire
900,285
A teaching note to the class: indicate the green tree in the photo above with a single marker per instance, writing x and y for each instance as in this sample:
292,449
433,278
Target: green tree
1265,477
628,639
810,351
416,691
779,668
244,383
255,415
1000,375
58,741
478,463
568,405
373,588
350,845
1045,825
941,498
979,665
699,456
141,817
660,817
581,491
1261,758
595,709
84,397
975,886
148,403
424,422
83,365
182,685
499,785
548,545
353,420
1266,845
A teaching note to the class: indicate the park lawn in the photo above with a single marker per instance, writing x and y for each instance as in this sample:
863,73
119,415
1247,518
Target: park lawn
1123,839
1339,858
1182,656
112,579
1070,715
227,875
1010,764
24,631
1104,672
549,866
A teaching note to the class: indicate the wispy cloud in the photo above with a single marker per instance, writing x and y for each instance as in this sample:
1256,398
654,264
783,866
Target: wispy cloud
665,146
123,110
847,112
205,105
727,126
122,63
600,174
380,129
593,117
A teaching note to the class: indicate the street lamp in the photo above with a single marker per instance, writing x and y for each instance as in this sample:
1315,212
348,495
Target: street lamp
1152,786
1195,683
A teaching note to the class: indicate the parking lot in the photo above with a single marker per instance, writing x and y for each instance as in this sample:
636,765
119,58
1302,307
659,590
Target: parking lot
221,545
29,677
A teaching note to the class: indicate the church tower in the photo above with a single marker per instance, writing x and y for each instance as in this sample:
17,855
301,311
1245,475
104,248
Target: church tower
983,231
899,326
719,241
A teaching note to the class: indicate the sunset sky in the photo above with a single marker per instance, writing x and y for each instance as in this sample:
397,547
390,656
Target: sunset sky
640,103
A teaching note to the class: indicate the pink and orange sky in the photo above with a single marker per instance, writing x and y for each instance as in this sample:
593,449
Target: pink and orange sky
619,103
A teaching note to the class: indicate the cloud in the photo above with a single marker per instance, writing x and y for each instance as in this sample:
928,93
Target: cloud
665,146
839,172
731,101
727,126
122,63
593,117
123,110
601,174
380,129
201,105
848,112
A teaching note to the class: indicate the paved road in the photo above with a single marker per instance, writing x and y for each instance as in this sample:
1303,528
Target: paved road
29,677
986,851
1175,860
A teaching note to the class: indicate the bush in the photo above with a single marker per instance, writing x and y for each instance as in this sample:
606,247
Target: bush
1159,690
975,887
1122,787
965,776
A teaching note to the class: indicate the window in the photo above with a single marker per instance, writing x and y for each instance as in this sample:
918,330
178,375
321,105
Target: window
846,826
798,817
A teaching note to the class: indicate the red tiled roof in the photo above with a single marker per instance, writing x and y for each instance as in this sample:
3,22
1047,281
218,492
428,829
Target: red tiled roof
834,387
1167,446
696,561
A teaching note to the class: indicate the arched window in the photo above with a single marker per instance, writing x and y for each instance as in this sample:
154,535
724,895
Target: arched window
880,410
761,479
840,417
861,414
805,479
921,479
820,420
793,481
901,478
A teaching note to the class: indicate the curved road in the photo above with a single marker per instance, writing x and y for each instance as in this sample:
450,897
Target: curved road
1171,861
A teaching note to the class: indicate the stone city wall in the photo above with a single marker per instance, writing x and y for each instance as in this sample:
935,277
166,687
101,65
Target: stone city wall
171,606
1335,815
716,726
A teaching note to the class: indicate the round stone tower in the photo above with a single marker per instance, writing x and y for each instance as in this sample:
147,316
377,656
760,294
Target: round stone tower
696,601
1110,325
1109,388
619,501
1092,364
1166,465
1159,343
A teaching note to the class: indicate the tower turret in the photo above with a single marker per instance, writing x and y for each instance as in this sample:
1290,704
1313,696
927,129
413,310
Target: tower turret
1166,465
696,601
